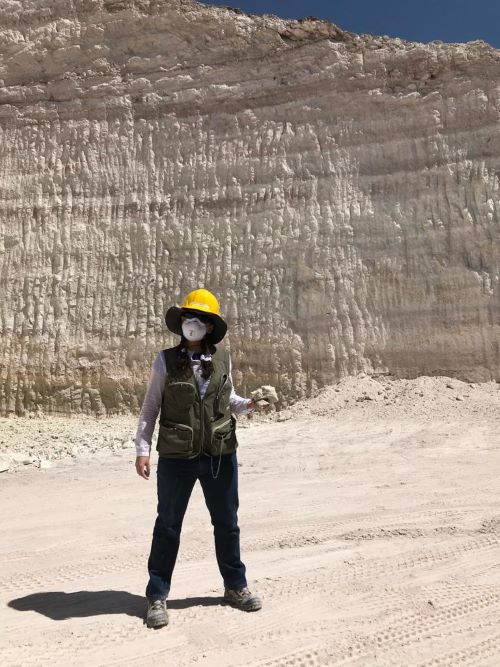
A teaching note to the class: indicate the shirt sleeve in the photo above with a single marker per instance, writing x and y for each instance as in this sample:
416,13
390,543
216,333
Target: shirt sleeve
237,404
150,406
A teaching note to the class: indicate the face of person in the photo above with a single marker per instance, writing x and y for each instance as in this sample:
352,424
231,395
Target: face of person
200,316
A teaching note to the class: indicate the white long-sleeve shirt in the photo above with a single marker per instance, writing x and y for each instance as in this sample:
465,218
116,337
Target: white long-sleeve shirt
154,396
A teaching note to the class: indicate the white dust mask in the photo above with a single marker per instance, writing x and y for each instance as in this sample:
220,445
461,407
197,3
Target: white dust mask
193,329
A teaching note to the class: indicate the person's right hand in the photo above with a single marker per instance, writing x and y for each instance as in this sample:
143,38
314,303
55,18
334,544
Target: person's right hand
142,466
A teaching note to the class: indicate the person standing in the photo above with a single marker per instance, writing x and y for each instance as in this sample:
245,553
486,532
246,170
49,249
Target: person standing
191,387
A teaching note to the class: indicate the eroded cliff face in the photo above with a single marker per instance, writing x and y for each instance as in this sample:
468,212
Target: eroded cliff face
339,194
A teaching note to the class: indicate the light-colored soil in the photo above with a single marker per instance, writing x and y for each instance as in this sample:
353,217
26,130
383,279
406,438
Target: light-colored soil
370,528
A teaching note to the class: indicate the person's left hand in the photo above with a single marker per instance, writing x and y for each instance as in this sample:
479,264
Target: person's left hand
253,405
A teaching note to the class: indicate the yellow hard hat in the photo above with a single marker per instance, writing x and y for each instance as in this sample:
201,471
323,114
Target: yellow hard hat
202,301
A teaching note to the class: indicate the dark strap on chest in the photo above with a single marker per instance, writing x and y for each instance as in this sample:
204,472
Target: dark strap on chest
169,356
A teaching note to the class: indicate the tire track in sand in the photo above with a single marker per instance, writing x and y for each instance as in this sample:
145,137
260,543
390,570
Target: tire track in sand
410,629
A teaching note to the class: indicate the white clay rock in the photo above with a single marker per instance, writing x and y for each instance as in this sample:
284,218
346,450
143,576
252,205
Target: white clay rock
265,393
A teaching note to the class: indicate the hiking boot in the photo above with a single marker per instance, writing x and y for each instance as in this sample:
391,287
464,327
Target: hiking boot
242,598
157,614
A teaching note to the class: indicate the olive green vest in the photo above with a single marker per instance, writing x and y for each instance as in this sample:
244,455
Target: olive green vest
190,425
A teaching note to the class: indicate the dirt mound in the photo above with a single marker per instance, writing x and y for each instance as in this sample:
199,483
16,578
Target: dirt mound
424,396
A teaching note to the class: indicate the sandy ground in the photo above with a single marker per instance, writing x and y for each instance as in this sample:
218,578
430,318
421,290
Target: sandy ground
370,526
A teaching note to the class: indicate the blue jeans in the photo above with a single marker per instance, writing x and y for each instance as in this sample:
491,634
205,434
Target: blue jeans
175,480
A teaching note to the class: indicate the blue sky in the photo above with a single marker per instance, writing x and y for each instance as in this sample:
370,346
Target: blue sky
421,20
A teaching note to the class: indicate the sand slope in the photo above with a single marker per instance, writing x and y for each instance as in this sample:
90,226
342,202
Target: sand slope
373,540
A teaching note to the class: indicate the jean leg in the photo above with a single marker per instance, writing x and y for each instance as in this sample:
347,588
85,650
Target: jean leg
221,498
175,481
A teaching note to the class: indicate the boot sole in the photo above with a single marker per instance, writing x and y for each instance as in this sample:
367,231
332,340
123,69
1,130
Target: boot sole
252,607
155,626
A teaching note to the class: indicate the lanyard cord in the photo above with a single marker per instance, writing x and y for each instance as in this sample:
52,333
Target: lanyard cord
218,466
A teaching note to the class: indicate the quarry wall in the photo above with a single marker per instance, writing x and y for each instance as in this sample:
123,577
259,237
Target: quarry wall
337,192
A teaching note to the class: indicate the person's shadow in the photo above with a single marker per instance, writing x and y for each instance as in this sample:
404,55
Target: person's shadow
60,606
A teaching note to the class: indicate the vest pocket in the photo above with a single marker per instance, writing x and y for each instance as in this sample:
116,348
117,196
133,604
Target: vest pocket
223,438
179,397
174,439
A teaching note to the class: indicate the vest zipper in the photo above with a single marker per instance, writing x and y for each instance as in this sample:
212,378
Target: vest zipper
202,442
225,378
202,415
176,426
